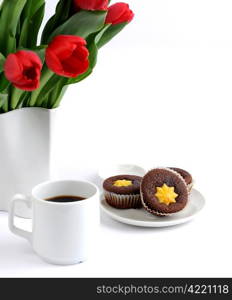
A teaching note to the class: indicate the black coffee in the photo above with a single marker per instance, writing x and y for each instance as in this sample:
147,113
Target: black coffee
62,199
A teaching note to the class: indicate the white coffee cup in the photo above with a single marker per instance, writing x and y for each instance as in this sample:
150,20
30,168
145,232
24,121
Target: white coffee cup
62,233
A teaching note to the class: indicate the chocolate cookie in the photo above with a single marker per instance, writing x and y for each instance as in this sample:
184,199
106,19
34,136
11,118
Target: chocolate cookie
186,175
163,192
123,191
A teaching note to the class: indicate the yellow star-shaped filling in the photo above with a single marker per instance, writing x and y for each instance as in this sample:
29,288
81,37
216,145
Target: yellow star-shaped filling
122,182
166,194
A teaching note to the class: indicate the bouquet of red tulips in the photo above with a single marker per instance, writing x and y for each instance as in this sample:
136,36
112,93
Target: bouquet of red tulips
36,73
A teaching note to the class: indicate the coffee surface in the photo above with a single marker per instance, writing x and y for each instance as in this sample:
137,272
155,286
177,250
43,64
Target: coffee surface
65,199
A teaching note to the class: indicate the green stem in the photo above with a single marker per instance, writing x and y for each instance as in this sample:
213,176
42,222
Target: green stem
15,97
57,102
46,75
5,106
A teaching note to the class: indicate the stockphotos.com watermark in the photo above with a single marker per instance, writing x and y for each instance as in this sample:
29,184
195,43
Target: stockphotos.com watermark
185,289
141,289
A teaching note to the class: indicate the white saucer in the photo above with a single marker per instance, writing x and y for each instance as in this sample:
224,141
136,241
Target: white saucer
140,217
120,169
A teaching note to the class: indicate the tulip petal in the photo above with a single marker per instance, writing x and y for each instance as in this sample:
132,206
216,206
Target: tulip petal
67,56
13,68
75,66
91,4
69,39
64,45
81,53
119,13
23,70
53,62
27,87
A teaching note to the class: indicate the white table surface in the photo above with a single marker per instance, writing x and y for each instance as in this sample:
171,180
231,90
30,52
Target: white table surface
197,248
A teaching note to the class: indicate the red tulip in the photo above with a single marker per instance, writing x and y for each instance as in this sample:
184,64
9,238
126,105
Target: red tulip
91,4
67,55
23,70
119,13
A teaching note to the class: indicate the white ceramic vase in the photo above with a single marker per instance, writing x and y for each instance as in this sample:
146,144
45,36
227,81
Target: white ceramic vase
25,147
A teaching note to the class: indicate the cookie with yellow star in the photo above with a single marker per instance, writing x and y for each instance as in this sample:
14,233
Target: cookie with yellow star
164,192
123,191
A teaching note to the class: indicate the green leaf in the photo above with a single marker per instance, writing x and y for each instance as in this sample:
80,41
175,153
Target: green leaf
99,35
4,96
80,77
110,33
4,83
40,51
10,15
23,100
55,82
61,15
3,99
23,35
45,78
34,26
31,7
32,17
15,96
50,26
81,24
2,61
57,94
49,81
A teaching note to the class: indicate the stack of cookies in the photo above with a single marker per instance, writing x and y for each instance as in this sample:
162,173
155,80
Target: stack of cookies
162,191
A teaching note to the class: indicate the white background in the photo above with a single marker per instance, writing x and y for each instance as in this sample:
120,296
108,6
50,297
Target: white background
160,96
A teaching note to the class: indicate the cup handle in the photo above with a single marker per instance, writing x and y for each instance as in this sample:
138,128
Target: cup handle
17,199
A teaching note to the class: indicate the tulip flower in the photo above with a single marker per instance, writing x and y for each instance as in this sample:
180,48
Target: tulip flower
23,70
67,55
119,13
91,4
